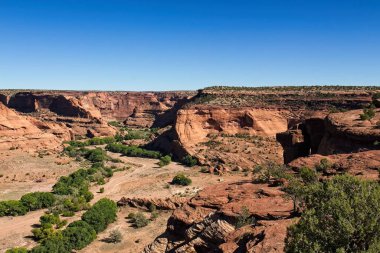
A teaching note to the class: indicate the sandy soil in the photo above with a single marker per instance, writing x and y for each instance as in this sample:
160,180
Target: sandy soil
143,179
134,239
22,172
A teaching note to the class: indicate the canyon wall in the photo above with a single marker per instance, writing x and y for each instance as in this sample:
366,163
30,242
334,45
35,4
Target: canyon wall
336,133
76,114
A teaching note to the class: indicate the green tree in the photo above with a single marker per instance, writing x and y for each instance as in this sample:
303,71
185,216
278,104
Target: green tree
79,234
181,179
12,208
53,245
101,214
38,200
189,161
341,215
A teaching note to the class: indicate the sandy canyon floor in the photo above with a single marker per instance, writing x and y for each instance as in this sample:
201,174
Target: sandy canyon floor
23,172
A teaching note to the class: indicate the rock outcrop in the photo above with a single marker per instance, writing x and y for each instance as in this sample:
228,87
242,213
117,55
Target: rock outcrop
364,164
195,125
161,204
337,133
207,222
27,133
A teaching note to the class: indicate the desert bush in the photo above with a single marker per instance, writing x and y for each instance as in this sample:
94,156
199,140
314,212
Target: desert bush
49,219
38,200
376,99
165,160
53,245
323,165
308,175
12,208
68,213
42,233
101,214
244,218
263,173
115,236
341,215
139,220
368,113
17,250
181,179
189,161
137,134
100,141
96,155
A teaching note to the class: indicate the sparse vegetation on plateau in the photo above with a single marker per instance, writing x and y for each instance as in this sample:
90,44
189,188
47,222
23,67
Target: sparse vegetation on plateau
368,114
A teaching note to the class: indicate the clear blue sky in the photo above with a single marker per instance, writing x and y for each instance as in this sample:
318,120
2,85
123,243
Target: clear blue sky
176,45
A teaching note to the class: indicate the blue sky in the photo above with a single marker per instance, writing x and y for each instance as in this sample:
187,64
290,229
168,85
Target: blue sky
181,45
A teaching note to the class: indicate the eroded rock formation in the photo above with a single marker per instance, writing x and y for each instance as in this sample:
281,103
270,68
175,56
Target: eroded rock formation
27,133
207,222
337,133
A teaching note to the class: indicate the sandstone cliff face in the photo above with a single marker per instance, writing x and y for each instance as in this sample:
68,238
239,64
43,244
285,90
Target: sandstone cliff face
26,133
137,109
206,223
334,134
194,125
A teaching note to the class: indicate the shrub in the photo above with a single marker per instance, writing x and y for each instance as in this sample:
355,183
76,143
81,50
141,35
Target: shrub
376,99
38,200
139,220
189,161
68,213
368,113
323,165
12,208
96,155
53,245
76,182
165,160
46,232
308,175
101,214
244,218
49,219
17,250
341,216
79,234
181,179
115,236
133,151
